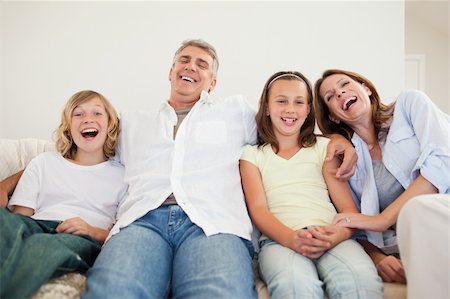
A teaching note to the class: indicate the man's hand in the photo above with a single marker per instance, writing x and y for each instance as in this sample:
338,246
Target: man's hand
339,146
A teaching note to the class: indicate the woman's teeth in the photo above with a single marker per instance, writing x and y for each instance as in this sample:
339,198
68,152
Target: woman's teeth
348,103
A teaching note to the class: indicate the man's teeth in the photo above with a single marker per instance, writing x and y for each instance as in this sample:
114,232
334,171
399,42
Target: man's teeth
188,79
348,103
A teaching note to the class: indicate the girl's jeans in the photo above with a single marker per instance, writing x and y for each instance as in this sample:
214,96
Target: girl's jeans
346,271
31,252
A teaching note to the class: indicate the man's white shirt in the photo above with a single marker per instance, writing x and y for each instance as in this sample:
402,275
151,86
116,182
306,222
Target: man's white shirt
200,166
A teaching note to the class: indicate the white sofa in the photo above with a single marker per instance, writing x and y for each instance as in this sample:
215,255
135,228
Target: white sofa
15,155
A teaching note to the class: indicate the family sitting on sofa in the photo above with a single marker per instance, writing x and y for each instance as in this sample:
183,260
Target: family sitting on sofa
171,219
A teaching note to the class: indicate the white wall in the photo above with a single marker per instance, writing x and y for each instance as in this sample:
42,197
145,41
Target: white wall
427,35
49,50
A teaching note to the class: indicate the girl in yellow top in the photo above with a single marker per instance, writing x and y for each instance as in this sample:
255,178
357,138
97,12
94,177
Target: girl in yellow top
288,187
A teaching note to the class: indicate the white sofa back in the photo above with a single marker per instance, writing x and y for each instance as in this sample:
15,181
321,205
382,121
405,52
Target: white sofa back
15,154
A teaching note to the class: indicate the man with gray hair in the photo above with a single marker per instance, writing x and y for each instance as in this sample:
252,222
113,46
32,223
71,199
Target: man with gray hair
183,231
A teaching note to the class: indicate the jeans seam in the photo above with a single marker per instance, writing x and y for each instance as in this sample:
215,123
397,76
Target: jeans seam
353,272
177,218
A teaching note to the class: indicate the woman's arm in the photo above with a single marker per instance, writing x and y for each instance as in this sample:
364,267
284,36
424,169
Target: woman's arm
7,187
265,221
417,113
388,217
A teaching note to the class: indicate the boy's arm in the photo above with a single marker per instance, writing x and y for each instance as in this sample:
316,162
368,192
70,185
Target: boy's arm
7,187
23,210
99,234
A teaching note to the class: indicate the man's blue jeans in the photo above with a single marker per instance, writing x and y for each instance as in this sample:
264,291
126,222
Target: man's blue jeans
31,252
164,254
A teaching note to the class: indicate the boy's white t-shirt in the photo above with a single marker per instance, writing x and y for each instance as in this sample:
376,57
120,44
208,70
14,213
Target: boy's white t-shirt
58,189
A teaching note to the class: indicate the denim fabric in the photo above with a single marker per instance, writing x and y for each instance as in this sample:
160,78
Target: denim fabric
31,252
345,271
164,254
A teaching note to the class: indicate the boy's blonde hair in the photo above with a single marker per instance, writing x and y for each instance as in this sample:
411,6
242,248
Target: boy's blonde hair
63,138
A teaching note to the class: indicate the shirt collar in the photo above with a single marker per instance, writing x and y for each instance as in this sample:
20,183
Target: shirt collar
205,97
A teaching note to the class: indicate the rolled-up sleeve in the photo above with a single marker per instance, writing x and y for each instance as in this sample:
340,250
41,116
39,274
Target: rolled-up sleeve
431,127
434,165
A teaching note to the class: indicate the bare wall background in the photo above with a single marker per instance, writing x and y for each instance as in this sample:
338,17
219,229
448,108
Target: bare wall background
50,50
427,36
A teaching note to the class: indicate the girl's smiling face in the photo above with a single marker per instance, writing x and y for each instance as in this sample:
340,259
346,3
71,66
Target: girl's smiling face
346,99
89,127
288,106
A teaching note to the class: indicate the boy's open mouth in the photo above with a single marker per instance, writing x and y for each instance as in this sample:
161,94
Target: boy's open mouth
89,133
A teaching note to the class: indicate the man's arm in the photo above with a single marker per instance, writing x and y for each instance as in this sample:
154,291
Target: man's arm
7,187
339,146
